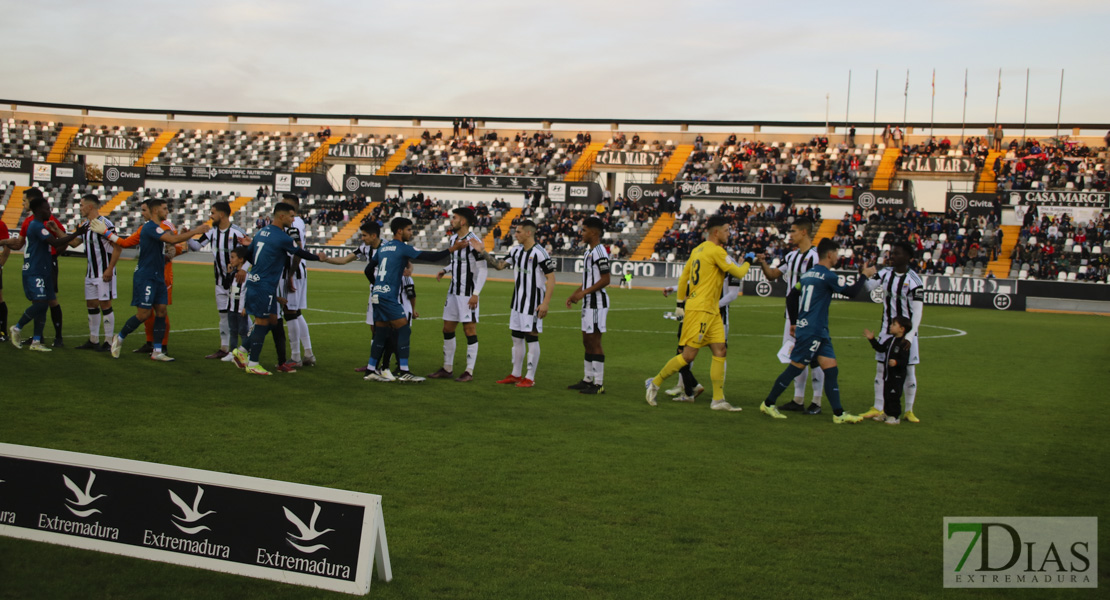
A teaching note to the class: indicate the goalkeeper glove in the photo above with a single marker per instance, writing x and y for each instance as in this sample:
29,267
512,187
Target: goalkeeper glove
749,257
680,311
97,226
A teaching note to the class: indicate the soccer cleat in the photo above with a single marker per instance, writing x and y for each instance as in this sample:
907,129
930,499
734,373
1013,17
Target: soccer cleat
297,364
912,418
59,343
287,367
510,379
593,390
698,389
847,418
387,375
525,383
441,374
363,369
892,421
879,417
39,347
676,390
160,357
465,377
652,390
581,385
88,345
257,370
683,398
722,405
406,377
3,337
117,343
309,361
792,407
218,355
871,413
771,411
13,334
146,348
814,409
104,347
239,357
228,358
375,376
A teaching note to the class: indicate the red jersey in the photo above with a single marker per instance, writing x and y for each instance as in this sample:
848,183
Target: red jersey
27,223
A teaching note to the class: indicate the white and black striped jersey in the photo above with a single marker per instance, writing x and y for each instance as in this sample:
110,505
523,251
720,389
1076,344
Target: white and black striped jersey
796,263
463,266
296,231
236,297
595,263
222,242
900,291
730,290
98,250
408,294
531,266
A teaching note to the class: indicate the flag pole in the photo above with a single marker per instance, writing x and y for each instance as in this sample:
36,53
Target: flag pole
847,105
932,108
1059,105
963,119
1025,119
875,111
998,96
906,103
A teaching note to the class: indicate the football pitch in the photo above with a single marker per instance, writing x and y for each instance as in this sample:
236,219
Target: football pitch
491,491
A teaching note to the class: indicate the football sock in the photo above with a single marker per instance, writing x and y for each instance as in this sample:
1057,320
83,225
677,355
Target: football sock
109,323
131,325
832,390
880,373
306,339
32,313
294,339
672,367
518,353
389,350
599,369
166,333
56,318
448,351
149,325
789,373
4,318
717,375
159,332
225,330
800,386
818,384
94,325
232,330
471,353
279,341
255,341
533,355
40,325
689,382
910,388
377,346
587,369
404,337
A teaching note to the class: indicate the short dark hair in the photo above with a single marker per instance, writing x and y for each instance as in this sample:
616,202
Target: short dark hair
905,322
805,224
223,207
241,251
32,193
825,246
152,202
371,228
716,221
36,203
466,213
906,246
291,198
283,207
91,198
528,223
594,223
399,223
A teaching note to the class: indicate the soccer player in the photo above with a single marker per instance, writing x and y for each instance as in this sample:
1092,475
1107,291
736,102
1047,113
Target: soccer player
100,277
149,287
6,243
688,388
699,293
222,239
389,314
268,250
896,353
808,308
533,287
58,230
595,306
797,261
903,296
36,271
238,325
296,298
370,236
468,276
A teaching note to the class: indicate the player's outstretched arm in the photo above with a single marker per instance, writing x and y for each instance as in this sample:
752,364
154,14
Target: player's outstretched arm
338,260
177,238
768,271
62,242
482,255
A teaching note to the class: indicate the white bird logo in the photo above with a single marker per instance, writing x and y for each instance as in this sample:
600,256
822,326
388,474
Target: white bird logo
192,513
307,534
83,497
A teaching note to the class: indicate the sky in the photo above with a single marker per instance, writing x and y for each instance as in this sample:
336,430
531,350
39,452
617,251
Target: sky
611,59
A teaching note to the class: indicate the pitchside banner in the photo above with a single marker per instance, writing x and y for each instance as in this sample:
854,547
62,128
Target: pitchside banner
371,186
875,199
358,151
301,183
262,528
425,180
504,182
105,142
646,192
618,158
209,173
974,204
933,164
576,192
11,163
1072,199
741,192
127,178
58,173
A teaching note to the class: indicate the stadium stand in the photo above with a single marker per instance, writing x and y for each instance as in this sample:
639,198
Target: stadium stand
761,162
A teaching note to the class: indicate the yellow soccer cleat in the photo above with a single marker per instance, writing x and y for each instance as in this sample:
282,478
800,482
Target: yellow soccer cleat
847,418
873,413
257,370
912,418
771,411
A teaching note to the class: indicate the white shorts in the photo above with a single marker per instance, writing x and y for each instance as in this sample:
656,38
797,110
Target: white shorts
457,309
524,322
370,310
915,354
787,343
223,298
593,319
298,298
98,289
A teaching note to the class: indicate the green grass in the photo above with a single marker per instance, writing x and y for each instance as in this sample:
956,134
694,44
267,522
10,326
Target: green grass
495,492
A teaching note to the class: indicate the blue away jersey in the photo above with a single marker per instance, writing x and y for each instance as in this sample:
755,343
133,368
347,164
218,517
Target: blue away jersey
36,259
152,259
392,257
268,251
817,287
